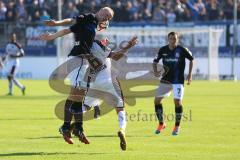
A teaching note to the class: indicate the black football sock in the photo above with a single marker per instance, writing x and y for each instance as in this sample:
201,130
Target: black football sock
67,114
159,113
78,117
178,115
97,111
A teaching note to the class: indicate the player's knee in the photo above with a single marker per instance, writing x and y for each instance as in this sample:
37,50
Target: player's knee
118,109
75,98
10,77
76,95
158,100
178,102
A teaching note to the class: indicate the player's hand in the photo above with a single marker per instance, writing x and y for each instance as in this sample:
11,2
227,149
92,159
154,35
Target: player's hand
157,74
50,22
189,79
45,37
132,42
103,25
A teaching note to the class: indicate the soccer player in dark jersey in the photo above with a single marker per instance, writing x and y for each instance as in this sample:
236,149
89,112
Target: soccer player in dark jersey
84,29
173,58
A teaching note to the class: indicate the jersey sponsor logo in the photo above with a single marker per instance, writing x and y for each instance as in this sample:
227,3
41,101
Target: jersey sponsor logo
171,60
164,54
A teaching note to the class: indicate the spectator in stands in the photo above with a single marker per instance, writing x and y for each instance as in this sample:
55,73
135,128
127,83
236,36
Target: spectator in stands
238,10
10,14
34,11
21,12
93,7
193,9
118,9
171,16
129,10
135,10
44,15
81,6
3,11
148,8
213,8
71,10
159,14
182,13
36,16
200,6
228,9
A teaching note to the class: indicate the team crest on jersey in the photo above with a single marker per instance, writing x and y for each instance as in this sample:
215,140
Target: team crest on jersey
177,55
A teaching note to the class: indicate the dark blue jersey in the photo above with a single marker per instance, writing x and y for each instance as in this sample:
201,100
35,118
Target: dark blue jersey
84,31
174,61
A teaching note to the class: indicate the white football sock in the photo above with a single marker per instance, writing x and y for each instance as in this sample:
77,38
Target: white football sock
122,120
17,83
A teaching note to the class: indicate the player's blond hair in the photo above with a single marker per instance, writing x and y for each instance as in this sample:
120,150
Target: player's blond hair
110,10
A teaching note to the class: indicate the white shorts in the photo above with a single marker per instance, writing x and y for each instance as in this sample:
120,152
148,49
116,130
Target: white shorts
12,67
78,76
164,90
91,102
107,90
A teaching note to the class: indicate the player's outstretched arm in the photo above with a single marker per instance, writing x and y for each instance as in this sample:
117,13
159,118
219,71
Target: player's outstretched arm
116,55
64,22
48,36
189,77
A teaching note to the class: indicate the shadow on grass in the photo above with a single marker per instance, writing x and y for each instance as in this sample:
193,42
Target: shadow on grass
31,97
24,119
45,153
94,136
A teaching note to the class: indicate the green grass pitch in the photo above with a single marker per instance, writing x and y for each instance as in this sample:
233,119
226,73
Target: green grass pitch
29,127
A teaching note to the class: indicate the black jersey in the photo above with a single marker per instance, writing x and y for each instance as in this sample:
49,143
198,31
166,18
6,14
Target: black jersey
174,61
84,33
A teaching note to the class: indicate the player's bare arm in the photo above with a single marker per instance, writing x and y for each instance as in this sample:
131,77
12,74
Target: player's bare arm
189,77
64,22
48,36
116,55
156,72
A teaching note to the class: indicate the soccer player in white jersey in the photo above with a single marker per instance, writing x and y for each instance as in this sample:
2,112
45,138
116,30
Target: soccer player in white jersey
105,85
13,52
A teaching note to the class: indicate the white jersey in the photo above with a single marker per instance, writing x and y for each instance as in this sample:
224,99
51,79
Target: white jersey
12,62
13,49
102,55
108,86
80,74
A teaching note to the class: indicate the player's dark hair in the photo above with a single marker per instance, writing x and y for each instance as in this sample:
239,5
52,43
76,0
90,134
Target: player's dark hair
172,34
